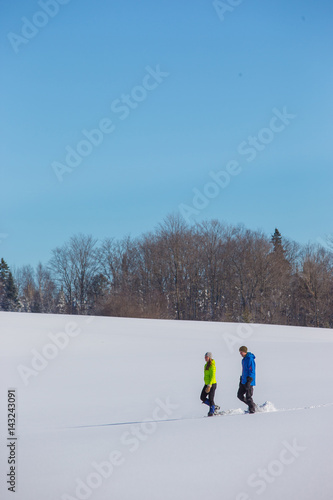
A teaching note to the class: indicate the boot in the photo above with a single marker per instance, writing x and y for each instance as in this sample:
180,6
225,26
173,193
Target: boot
211,411
252,408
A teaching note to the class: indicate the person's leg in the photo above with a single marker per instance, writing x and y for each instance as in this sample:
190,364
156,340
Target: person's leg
204,396
211,395
249,400
211,400
241,392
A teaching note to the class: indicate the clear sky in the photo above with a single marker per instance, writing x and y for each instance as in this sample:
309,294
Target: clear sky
179,89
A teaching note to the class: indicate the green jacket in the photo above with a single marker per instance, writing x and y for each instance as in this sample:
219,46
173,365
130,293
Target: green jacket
210,374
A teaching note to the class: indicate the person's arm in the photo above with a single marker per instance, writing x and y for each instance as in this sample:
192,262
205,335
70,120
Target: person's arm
245,370
250,371
213,372
250,368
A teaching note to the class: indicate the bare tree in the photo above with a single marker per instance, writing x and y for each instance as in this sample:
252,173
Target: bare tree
46,292
317,286
75,266
213,257
175,246
63,273
85,265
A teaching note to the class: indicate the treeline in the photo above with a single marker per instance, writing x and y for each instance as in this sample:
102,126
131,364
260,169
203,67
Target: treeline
210,271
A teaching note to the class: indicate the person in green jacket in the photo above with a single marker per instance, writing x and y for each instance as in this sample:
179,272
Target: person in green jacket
208,391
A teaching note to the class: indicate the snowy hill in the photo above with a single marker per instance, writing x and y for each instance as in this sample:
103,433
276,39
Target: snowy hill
108,408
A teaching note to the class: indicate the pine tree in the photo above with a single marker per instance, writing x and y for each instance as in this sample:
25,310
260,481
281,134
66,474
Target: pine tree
4,270
8,294
277,242
61,303
12,293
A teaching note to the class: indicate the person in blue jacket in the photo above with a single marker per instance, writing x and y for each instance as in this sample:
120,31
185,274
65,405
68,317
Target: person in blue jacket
247,379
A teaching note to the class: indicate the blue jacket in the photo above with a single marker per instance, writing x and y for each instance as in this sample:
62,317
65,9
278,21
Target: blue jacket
249,368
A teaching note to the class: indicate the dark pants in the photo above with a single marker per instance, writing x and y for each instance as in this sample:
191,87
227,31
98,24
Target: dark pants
208,398
245,393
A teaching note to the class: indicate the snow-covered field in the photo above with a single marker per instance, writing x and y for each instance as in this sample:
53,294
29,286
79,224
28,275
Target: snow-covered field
76,377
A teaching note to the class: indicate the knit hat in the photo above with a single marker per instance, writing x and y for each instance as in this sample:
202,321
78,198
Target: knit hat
209,354
243,348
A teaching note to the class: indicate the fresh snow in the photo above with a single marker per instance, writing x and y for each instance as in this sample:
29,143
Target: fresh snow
115,414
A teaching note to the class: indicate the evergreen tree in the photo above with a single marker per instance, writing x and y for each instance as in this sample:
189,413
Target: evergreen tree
4,270
8,295
277,242
61,306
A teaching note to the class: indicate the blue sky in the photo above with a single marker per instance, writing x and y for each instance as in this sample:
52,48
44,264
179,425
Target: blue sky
222,80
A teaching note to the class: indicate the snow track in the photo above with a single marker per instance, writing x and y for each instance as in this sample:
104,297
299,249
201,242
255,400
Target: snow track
266,407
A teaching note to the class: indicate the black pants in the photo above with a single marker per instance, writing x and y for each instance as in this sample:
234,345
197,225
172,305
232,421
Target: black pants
210,395
245,393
